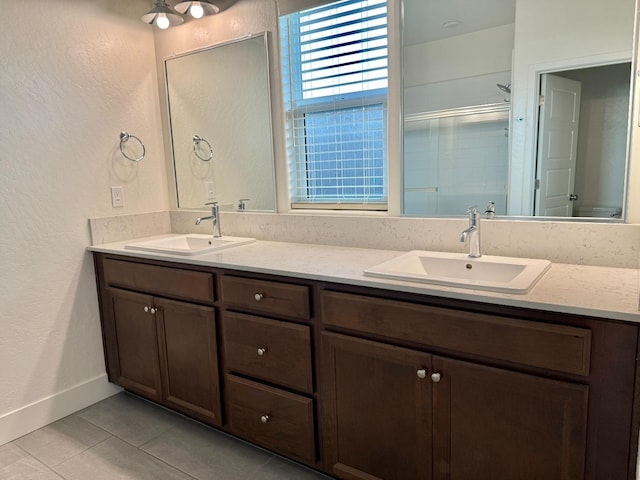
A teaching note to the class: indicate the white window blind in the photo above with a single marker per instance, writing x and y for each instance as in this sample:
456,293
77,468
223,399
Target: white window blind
334,61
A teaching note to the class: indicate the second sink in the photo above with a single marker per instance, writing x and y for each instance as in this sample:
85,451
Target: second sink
499,274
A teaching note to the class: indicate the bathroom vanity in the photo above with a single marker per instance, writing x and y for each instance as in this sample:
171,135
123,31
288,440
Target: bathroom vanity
291,348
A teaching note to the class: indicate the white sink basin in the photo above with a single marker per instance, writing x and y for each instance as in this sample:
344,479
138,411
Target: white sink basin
498,274
191,244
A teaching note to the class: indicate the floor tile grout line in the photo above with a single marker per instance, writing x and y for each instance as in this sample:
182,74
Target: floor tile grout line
89,421
73,456
171,426
132,446
88,447
168,464
29,455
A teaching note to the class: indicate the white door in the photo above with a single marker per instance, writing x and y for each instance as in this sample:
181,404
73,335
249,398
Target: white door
557,146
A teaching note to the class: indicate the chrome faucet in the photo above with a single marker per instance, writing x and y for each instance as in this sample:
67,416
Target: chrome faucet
214,217
473,232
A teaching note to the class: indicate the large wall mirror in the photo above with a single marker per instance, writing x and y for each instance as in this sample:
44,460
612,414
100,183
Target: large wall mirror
524,103
220,117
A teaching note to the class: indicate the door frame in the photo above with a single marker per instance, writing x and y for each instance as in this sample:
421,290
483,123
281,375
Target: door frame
524,178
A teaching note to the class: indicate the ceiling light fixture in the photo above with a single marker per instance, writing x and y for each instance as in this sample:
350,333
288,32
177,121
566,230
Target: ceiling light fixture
198,9
162,16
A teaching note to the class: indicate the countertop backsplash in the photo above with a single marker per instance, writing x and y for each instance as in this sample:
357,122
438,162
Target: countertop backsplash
580,243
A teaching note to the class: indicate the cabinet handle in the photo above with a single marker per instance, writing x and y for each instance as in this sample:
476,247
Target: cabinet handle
258,296
265,418
262,351
153,311
146,309
435,377
422,373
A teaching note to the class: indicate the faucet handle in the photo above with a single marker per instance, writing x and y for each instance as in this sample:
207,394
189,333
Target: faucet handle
490,211
214,208
472,209
241,203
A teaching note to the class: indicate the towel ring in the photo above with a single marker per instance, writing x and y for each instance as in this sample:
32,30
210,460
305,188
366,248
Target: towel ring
124,138
196,142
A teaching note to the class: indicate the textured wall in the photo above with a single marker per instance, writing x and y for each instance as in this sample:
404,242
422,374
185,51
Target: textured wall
73,74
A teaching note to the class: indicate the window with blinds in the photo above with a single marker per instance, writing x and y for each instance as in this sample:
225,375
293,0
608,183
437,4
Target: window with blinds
334,60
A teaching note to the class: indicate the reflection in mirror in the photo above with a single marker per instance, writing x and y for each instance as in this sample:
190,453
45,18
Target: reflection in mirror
220,115
586,111
478,125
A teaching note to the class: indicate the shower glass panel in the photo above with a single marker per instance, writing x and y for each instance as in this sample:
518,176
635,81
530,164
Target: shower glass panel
456,158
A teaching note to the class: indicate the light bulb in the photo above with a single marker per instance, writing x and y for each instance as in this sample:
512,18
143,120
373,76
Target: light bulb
196,10
162,21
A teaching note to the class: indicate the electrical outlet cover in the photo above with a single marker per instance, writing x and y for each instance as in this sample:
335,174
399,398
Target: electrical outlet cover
117,197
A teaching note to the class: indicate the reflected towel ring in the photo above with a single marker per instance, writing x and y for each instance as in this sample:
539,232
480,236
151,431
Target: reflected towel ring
124,137
196,142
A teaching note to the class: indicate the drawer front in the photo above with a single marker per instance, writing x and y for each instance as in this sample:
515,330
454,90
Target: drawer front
166,281
270,417
554,347
264,296
270,350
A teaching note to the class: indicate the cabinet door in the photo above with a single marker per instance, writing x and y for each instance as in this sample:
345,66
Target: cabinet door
500,425
377,410
189,359
133,344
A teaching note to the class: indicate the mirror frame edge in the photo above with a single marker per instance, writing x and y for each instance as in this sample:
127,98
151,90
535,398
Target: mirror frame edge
172,179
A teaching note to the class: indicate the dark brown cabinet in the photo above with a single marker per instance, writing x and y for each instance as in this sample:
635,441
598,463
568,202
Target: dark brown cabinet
368,384
490,423
270,350
189,359
505,397
377,410
277,419
266,338
132,336
397,414
161,348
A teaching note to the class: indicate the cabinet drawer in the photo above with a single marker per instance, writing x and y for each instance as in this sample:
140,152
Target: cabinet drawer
264,296
270,350
167,281
555,347
273,418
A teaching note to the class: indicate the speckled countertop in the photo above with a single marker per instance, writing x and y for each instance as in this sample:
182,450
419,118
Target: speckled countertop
586,290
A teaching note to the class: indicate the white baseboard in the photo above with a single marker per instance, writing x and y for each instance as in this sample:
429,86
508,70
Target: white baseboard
36,415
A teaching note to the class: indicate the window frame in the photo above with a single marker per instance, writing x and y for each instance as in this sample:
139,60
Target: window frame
295,110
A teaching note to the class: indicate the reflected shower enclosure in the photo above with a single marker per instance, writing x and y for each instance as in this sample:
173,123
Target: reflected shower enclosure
456,158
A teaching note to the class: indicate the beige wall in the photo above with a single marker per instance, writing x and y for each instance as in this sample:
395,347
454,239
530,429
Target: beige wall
73,74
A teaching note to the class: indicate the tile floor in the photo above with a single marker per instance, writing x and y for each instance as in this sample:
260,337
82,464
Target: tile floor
127,438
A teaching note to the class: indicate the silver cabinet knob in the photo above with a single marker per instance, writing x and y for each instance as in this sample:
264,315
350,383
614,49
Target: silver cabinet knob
262,351
258,296
146,309
422,373
153,311
265,418
435,377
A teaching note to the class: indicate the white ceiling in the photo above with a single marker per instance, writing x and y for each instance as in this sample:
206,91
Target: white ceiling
423,19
